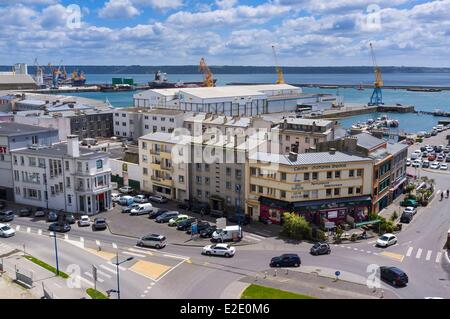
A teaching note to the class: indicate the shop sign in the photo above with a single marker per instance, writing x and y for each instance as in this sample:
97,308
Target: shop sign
3,149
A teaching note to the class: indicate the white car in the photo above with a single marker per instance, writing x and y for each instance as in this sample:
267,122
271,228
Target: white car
126,189
435,165
408,162
157,199
40,212
410,210
386,240
417,163
225,250
84,221
140,199
443,167
6,231
115,197
430,149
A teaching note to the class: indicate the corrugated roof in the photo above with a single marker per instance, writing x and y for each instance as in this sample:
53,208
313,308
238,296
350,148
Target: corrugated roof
308,158
60,150
221,91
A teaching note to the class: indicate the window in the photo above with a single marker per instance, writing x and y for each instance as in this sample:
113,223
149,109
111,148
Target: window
306,194
15,160
124,115
358,190
155,129
34,140
22,161
180,179
69,199
283,194
288,138
237,188
52,190
117,123
228,185
337,191
124,123
145,171
16,175
146,126
32,161
87,166
163,128
283,176
306,139
207,194
306,176
329,175
351,173
207,167
68,182
154,118
238,173
260,189
99,164
359,172
315,194
198,179
228,171
144,145
207,180
163,119
253,171
253,188
171,120
337,174
315,175
350,190
328,192
316,141
199,193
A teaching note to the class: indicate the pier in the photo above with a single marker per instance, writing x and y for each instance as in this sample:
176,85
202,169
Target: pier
357,109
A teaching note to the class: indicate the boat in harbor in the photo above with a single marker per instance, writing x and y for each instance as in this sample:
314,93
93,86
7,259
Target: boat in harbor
161,82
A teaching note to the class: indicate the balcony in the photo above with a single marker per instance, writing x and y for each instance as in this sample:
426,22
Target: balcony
155,152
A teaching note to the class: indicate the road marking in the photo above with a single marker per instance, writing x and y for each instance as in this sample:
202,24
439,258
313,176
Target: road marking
356,249
104,274
141,251
409,252
419,253
120,267
173,268
113,271
40,232
145,291
428,255
66,236
82,239
17,227
392,255
438,257
176,257
349,247
369,252
90,283
142,296
28,229
152,284
361,250
114,245
133,254
372,242
97,242
342,246
92,277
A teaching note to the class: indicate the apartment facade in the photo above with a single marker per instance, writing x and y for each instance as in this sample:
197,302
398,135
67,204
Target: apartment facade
326,186
63,177
164,165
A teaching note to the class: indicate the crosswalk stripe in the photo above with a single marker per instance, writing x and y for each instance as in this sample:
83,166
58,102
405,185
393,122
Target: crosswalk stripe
40,232
113,271
104,274
92,276
90,283
28,229
120,267
17,227
257,236
428,255
141,251
133,254
97,242
419,253
66,236
82,239
438,257
114,245
409,252
176,257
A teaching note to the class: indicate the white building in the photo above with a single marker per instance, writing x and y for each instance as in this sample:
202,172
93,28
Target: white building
63,177
133,123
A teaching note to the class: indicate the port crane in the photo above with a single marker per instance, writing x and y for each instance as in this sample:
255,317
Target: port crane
208,78
377,95
39,77
280,79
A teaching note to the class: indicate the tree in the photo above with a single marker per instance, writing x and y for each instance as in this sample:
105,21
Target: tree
394,216
296,227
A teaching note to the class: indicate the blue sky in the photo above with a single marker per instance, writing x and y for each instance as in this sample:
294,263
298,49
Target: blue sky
226,32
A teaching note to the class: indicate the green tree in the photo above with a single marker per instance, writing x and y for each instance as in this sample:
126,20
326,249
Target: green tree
394,216
296,227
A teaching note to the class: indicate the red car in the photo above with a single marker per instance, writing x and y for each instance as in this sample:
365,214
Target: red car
432,157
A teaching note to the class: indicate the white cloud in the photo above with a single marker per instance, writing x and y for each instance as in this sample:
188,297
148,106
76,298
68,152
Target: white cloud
159,4
118,9
226,4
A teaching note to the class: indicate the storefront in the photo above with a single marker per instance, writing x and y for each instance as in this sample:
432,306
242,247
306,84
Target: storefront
397,189
333,210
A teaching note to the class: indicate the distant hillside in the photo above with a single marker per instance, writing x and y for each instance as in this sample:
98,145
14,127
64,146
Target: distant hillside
225,69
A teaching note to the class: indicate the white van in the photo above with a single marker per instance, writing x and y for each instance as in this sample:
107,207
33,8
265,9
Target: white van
142,209
227,234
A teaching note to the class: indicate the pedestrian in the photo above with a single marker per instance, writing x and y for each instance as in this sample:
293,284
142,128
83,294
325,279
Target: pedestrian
448,193
202,213
442,195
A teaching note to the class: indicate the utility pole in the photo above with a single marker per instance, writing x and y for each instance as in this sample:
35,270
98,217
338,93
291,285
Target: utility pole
52,234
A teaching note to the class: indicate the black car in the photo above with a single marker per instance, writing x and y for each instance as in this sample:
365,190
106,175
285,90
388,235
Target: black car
207,233
157,213
244,219
69,218
25,212
406,218
186,224
200,227
59,227
6,216
99,224
52,216
320,249
394,276
165,217
286,260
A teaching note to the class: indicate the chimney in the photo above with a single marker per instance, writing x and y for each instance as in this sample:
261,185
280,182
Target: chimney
332,151
73,146
293,156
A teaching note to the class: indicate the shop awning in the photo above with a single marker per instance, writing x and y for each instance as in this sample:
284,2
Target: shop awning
274,202
350,201
397,185
370,222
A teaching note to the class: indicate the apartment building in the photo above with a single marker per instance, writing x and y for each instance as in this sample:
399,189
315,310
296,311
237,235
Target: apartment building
133,123
163,160
14,136
62,177
298,134
323,187
399,179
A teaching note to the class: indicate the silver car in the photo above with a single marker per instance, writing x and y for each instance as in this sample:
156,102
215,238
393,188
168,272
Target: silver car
153,240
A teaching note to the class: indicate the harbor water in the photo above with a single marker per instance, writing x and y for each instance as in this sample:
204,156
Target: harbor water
409,122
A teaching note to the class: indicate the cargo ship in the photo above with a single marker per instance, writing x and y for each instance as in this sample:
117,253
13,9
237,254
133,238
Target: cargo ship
78,78
161,82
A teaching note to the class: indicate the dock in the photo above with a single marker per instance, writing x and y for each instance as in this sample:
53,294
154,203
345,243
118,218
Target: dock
79,89
357,109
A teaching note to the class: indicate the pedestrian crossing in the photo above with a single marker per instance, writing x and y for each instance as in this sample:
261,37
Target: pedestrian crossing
253,237
424,254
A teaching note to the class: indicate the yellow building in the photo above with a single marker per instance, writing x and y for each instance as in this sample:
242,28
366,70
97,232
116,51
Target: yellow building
162,159
327,186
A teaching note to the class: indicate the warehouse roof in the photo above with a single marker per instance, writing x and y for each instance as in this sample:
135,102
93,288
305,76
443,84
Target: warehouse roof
368,141
14,129
221,92
307,158
395,148
10,78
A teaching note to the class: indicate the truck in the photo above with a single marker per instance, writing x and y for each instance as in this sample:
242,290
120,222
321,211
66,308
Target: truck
229,233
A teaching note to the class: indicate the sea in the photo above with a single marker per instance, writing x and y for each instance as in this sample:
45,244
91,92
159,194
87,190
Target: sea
410,122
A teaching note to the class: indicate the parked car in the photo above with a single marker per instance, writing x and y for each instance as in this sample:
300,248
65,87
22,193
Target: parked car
126,200
425,164
142,209
394,276
440,158
174,221
200,207
186,224
115,197
386,240
84,221
447,160
52,216
156,213
201,226
157,199
410,209
264,220
406,218
443,167
435,165
286,260
140,199
153,240
320,249
244,219
69,218
40,212
208,232
225,250
99,224
416,163
126,190
409,202
25,212
6,231
165,217
59,227
127,209
408,162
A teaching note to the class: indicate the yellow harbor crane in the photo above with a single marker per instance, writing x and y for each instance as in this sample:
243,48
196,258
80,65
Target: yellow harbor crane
208,78
280,79
377,95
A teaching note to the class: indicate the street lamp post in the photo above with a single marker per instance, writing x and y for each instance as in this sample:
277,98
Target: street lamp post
238,208
118,276
56,253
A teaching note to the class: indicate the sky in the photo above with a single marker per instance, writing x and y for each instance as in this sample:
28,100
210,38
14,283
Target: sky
225,32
